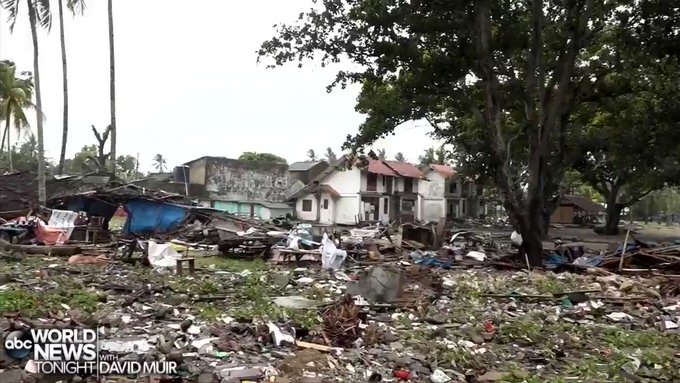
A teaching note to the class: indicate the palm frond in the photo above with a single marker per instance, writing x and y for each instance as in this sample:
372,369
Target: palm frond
12,8
43,13
77,7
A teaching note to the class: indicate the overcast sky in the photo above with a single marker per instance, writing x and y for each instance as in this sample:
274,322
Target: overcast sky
188,84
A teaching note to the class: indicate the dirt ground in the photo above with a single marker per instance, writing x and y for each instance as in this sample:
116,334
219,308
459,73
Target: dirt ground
650,233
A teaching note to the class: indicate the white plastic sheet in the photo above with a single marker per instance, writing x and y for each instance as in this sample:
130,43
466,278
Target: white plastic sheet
65,220
331,256
516,239
162,255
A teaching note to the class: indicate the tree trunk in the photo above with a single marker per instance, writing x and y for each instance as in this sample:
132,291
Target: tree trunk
9,148
42,194
112,70
64,73
4,134
611,226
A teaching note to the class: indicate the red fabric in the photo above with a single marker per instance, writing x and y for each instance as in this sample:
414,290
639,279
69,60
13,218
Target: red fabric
49,235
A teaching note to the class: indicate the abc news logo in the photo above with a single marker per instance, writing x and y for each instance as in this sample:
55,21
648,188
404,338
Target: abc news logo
19,344
52,344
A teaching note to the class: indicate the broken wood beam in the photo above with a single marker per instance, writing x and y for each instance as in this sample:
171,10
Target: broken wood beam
63,251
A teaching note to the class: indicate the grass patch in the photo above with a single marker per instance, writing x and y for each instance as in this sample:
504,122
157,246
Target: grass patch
231,264
35,304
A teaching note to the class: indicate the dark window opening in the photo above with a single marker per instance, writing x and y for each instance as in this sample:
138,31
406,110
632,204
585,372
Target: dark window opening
408,185
371,182
325,204
407,205
306,205
386,205
453,187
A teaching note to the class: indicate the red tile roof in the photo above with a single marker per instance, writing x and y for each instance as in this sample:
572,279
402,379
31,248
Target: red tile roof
444,170
405,169
379,167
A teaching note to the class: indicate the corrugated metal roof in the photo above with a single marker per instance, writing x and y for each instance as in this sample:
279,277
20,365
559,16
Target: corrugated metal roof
583,203
405,169
444,170
302,166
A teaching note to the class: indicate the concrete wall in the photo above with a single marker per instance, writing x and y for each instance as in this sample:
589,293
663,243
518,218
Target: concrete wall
245,181
197,172
431,201
345,181
305,215
433,186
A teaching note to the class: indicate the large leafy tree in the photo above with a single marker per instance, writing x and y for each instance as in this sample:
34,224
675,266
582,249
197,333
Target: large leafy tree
261,157
630,144
15,96
75,7
499,80
39,15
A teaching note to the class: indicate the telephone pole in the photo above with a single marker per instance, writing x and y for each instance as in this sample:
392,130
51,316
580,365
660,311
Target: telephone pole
136,167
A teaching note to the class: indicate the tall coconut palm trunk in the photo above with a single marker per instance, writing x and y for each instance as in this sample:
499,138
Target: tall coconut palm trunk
112,89
42,194
64,134
5,136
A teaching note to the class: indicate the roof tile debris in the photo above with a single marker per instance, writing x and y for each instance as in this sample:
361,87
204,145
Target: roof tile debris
444,170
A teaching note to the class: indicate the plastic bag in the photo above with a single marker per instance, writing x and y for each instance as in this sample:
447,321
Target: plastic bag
331,256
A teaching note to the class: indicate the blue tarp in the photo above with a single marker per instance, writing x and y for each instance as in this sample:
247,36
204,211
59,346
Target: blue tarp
146,217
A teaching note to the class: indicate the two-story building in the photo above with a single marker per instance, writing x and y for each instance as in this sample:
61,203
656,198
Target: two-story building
347,193
446,193
255,189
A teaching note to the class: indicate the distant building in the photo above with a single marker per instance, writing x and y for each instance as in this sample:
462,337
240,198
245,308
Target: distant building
575,210
255,189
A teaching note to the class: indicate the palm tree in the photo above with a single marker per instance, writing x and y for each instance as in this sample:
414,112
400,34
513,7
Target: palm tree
159,162
311,155
76,7
427,158
399,157
382,155
112,88
330,155
15,96
38,15
441,155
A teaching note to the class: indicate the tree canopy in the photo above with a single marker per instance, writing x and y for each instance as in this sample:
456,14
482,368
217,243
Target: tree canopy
499,80
261,157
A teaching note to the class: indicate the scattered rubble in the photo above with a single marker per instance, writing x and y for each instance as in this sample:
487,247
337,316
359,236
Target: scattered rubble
235,300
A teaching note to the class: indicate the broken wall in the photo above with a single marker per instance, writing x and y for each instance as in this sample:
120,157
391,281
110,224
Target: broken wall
246,181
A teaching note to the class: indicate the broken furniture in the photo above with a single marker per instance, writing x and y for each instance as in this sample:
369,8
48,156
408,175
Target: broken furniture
190,262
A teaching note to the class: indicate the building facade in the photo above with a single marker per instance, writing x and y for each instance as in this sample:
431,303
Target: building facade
255,189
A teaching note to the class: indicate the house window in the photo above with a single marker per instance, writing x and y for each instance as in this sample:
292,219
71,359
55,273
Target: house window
325,204
408,185
383,180
386,206
371,182
306,205
453,187
407,205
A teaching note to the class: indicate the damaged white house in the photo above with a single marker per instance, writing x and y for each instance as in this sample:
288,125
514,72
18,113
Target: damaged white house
384,191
